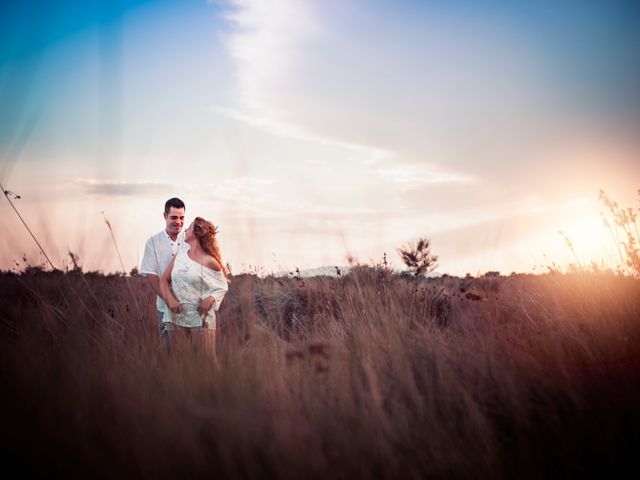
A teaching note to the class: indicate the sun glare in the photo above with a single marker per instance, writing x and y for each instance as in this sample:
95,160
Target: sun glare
590,240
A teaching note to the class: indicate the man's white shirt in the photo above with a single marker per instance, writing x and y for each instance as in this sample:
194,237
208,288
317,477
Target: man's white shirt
158,253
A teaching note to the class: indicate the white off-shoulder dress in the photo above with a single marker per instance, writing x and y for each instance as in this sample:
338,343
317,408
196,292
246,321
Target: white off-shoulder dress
192,282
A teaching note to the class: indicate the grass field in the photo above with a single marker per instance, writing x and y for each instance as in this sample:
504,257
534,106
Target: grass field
368,375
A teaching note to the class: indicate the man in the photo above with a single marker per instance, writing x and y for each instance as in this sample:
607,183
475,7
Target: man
160,250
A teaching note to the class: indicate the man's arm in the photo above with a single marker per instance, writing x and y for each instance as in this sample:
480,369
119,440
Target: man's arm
154,281
166,293
150,268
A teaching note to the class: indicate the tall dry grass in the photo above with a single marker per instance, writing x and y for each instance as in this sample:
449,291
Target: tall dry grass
369,375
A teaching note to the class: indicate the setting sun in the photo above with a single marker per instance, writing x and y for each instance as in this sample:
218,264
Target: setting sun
590,240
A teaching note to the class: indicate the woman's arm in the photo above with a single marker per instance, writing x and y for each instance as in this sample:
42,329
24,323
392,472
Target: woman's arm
205,305
165,290
208,302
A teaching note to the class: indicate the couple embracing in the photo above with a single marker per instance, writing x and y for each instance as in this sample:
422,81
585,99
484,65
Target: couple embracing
185,270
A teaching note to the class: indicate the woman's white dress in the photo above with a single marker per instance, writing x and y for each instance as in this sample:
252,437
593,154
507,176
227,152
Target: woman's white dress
192,282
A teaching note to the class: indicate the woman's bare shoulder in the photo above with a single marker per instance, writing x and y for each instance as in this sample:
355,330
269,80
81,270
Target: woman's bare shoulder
212,263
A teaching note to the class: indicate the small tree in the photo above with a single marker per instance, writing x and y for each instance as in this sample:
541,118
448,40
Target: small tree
417,256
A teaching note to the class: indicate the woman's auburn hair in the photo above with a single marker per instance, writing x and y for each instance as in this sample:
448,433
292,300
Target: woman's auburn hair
205,232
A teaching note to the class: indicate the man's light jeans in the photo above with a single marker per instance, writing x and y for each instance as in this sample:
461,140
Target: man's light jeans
162,332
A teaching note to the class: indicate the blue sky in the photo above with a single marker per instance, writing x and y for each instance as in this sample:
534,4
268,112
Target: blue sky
313,130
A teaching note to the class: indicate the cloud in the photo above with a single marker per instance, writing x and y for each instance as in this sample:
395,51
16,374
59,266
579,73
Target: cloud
379,79
268,43
462,90
261,119
230,187
266,201
411,176
226,189
264,42
91,186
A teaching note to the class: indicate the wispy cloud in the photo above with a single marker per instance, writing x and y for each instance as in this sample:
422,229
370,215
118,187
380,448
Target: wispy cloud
240,194
225,189
232,187
265,40
265,200
368,94
268,43
411,176
262,119
92,186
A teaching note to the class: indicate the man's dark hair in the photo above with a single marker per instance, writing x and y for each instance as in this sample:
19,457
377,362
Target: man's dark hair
173,202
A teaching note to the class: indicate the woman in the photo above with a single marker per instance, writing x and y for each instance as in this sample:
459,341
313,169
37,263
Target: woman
198,284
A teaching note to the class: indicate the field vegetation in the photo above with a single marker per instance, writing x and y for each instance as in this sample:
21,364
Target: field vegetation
368,375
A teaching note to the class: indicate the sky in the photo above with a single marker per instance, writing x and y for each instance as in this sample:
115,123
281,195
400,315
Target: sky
311,131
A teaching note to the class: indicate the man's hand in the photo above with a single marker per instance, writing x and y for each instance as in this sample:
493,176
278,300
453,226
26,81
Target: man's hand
205,305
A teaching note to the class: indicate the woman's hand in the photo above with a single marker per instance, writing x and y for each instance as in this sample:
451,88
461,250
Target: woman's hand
205,305
174,305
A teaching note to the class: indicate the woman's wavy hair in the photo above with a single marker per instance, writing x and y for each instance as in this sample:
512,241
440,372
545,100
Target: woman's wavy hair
205,232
